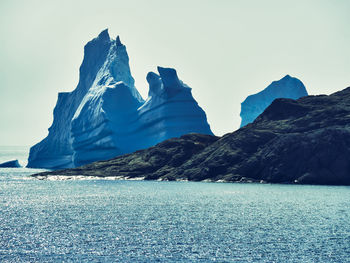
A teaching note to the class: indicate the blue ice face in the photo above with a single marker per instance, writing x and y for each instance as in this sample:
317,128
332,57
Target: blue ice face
105,115
254,105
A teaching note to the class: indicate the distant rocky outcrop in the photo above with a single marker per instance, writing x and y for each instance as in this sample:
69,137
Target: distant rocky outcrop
305,141
254,105
10,164
105,116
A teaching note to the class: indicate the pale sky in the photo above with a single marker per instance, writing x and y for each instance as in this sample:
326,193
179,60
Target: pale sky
224,50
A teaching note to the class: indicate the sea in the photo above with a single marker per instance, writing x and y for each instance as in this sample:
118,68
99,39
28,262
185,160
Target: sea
95,220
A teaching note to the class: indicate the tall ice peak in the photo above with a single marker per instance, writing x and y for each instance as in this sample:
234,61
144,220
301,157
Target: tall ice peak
166,84
169,78
104,35
287,77
118,42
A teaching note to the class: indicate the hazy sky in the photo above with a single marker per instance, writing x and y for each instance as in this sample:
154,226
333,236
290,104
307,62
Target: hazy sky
225,50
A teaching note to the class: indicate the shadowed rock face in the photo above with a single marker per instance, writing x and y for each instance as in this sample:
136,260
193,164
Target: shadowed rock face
153,163
254,105
303,141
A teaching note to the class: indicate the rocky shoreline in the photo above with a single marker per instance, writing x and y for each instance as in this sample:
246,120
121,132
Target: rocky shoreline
57,177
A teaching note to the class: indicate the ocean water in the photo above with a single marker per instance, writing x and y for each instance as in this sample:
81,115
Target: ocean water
142,221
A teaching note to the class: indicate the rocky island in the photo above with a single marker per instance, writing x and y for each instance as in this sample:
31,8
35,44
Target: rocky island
304,141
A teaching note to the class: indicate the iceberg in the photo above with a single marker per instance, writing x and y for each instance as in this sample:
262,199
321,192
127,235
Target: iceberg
287,87
10,164
105,116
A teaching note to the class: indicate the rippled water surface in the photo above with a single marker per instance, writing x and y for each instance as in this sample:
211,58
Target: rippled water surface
139,221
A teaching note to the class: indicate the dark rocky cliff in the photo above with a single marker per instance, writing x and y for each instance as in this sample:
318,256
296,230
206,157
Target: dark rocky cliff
304,141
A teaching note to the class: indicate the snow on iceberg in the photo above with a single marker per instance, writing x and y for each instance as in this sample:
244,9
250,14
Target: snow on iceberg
105,116
287,87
